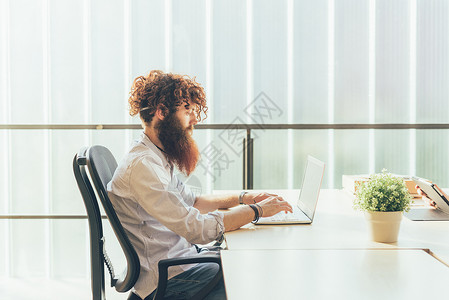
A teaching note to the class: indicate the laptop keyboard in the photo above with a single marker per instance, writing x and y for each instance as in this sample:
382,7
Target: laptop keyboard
296,215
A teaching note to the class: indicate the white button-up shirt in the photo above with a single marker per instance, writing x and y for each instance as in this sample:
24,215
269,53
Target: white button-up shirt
156,210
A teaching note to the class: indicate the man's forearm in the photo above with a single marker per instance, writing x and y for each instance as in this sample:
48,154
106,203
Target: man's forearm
236,218
208,203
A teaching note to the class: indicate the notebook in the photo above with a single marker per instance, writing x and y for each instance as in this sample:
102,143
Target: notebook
304,208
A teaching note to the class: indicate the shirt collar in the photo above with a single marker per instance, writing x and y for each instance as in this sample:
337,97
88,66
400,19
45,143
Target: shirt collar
147,142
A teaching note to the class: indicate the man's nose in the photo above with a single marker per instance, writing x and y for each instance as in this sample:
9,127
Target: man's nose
193,119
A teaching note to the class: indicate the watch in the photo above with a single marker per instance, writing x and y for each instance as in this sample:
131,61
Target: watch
243,193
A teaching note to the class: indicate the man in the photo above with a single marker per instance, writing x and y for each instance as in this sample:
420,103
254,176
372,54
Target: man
161,215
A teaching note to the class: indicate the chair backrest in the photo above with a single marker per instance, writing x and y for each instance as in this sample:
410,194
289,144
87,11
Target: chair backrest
99,162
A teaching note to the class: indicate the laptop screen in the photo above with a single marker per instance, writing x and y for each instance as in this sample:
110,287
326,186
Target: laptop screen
311,185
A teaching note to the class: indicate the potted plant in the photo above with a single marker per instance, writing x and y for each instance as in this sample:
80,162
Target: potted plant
383,198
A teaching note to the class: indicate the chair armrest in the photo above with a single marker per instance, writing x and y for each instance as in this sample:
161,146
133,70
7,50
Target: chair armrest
164,264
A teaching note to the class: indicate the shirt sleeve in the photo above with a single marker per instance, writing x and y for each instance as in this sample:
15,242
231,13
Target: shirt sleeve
158,193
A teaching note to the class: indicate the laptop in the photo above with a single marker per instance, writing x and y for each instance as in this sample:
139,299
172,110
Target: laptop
304,208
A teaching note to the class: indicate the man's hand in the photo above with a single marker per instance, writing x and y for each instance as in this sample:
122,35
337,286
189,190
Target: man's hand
271,204
426,198
274,204
252,198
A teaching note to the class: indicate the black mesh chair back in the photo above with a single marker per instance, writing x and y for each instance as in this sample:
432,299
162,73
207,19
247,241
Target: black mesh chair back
99,162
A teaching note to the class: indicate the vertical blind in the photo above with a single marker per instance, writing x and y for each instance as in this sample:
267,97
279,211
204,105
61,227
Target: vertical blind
276,62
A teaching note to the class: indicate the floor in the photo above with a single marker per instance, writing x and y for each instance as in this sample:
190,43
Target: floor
51,289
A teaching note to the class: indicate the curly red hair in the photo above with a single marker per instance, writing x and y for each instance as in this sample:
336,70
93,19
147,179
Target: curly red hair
166,90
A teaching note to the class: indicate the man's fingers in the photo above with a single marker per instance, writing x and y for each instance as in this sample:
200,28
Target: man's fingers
262,196
285,205
420,191
429,201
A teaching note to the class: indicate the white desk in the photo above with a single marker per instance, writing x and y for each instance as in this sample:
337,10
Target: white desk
334,274
337,226
334,258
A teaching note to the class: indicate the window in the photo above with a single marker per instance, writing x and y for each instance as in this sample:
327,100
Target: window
67,66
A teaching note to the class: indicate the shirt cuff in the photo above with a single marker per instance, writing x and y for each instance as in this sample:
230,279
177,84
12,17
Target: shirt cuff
218,233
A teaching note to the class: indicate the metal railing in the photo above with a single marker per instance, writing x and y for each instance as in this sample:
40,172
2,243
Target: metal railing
228,126
247,143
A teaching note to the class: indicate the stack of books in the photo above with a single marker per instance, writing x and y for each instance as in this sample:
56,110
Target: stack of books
350,183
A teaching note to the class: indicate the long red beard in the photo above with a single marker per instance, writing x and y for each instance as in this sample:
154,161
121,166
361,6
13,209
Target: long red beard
179,146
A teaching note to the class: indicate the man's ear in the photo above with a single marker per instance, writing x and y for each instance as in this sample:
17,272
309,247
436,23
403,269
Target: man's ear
161,111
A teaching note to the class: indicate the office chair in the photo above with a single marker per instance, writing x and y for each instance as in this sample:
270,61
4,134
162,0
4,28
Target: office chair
100,164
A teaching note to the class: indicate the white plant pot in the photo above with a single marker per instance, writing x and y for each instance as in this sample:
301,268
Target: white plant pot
384,225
